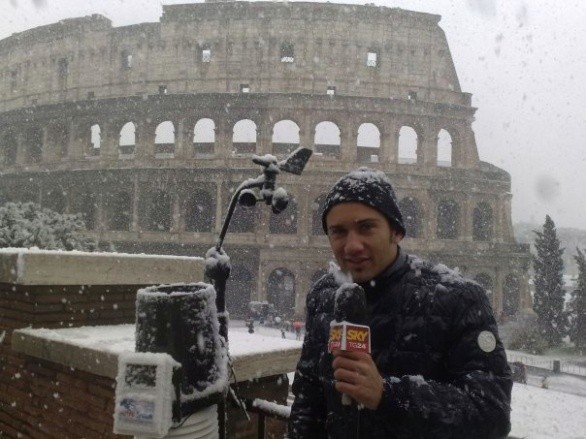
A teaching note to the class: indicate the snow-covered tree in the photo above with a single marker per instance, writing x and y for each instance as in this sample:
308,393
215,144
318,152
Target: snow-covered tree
577,304
30,225
548,301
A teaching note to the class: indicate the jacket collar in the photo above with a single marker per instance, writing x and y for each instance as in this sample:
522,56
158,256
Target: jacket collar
388,276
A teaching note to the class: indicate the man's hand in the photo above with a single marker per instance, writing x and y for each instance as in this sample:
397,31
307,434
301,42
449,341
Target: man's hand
357,376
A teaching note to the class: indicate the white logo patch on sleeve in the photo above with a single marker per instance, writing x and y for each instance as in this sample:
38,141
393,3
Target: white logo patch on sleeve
487,341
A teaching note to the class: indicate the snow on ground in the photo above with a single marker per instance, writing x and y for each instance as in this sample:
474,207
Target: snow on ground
547,414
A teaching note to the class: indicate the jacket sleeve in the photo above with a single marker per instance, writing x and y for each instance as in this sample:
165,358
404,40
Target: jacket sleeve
474,402
308,412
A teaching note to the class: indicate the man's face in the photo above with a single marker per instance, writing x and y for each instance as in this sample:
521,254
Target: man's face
362,240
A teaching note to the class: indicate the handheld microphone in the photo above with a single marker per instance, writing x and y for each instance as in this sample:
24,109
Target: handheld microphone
349,331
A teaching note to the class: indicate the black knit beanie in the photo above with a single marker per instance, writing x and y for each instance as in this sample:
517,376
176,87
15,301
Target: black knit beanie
370,187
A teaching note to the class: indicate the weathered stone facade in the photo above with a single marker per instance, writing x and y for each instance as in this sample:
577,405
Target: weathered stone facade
148,128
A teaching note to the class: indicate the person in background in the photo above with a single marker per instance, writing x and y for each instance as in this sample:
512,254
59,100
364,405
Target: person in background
437,369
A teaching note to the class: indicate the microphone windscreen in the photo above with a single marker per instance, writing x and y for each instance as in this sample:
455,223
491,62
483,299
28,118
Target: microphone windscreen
350,304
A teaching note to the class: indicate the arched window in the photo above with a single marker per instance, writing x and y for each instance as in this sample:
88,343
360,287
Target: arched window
204,137
485,281
60,138
127,141
199,212
8,149
511,295
448,219
55,200
157,211
412,216
444,148
285,137
238,290
287,52
281,291
368,143
95,140
285,223
408,142
482,223
244,137
243,220
327,139
34,145
118,207
317,209
165,139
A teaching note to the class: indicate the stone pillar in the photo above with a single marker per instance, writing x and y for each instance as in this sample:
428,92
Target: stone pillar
219,204
264,136
180,139
307,132
176,217
348,143
135,206
498,293
467,218
100,219
223,146
20,148
427,147
430,226
145,140
45,150
110,135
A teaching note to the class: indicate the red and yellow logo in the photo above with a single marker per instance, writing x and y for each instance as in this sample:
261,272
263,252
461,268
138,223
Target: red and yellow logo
349,337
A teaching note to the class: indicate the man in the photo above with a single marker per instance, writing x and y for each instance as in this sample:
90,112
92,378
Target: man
437,369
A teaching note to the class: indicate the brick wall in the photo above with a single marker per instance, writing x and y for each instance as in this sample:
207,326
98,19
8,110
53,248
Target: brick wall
40,399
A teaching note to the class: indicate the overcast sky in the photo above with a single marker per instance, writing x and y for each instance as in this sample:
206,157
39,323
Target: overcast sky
523,61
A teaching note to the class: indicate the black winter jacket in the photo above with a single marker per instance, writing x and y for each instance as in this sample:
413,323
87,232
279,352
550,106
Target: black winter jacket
439,381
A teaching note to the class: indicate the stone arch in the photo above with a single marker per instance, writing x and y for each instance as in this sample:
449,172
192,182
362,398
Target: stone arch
8,148
285,223
243,219
156,211
368,143
165,139
444,149
58,134
33,142
238,288
486,282
199,212
327,139
127,139
118,209
281,291
317,209
511,295
482,222
285,137
204,137
408,145
448,219
244,137
412,216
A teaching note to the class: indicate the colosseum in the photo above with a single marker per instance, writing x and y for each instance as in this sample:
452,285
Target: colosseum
147,130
